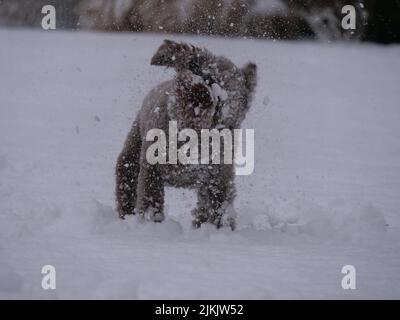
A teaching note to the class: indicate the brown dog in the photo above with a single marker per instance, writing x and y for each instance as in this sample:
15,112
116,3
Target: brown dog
192,100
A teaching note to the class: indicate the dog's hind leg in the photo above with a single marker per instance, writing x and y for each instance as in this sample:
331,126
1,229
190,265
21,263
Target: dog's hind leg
127,172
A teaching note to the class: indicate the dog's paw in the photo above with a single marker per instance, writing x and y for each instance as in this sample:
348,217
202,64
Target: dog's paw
150,214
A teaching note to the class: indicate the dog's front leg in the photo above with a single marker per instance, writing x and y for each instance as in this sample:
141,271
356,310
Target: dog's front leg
215,195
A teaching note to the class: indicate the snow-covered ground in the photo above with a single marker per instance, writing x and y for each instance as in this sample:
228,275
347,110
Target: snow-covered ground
325,192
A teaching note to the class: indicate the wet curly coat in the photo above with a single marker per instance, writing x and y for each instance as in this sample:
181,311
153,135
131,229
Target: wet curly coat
140,185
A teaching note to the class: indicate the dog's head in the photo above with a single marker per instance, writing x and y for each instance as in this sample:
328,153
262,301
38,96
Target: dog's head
213,89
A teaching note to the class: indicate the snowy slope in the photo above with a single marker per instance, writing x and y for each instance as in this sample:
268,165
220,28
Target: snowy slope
325,191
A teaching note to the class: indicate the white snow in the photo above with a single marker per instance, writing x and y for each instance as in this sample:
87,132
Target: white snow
324,193
218,93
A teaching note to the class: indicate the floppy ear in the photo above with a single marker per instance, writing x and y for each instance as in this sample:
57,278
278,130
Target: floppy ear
180,56
174,54
250,77
165,55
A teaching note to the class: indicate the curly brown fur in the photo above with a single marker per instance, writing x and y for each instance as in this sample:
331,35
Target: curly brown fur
189,100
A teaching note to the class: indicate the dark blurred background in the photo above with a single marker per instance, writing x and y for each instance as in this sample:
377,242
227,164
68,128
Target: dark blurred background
377,20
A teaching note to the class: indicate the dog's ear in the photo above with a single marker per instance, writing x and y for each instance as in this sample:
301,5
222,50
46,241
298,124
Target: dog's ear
165,53
181,56
250,77
172,54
